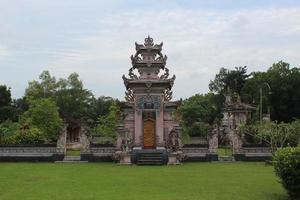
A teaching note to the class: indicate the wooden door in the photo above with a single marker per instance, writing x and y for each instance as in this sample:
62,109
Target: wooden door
149,133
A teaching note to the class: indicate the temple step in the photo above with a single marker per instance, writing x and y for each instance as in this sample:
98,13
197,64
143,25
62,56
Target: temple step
226,159
71,158
149,159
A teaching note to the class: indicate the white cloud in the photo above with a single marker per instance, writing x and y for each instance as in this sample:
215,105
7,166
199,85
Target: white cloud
3,52
197,43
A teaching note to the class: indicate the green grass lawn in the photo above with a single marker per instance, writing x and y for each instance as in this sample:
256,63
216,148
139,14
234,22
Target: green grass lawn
232,181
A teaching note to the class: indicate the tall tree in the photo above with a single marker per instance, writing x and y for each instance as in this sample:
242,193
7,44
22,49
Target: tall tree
5,103
107,123
43,114
98,107
280,86
232,80
199,113
69,94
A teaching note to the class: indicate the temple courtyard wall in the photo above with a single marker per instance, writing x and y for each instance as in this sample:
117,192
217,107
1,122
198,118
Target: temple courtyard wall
106,154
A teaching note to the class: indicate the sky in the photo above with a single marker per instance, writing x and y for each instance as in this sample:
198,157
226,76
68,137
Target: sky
96,39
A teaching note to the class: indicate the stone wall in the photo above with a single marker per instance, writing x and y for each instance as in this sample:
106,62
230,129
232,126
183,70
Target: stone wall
98,154
253,154
19,153
199,154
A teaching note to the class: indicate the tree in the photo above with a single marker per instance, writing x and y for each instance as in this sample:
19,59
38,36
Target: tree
276,135
199,113
5,103
107,123
232,80
68,94
283,96
43,115
72,99
98,107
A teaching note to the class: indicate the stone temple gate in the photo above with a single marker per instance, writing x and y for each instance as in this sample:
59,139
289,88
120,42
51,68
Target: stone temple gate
148,132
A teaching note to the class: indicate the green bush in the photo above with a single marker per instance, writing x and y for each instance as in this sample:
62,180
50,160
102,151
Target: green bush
8,129
29,136
12,133
287,167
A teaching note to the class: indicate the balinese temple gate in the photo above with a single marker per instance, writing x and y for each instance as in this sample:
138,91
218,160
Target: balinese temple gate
148,134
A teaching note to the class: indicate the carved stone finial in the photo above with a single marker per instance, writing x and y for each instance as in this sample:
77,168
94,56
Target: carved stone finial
148,41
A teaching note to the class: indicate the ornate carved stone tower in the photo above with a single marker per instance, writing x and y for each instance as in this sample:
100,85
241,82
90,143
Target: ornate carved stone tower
148,109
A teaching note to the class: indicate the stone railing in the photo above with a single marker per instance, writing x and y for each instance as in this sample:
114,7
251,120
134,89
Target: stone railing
10,151
102,150
197,152
98,154
256,151
253,154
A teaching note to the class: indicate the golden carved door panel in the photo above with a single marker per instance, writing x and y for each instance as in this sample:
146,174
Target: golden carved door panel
149,133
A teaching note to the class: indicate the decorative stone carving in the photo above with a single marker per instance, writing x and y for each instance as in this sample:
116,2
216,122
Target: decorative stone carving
84,140
174,143
213,143
153,101
129,95
235,142
131,74
168,94
175,158
62,140
125,144
165,75
123,158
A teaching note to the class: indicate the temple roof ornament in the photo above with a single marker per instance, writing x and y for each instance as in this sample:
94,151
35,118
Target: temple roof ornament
148,55
148,70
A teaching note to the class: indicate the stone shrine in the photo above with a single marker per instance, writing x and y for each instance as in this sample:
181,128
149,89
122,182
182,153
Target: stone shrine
148,133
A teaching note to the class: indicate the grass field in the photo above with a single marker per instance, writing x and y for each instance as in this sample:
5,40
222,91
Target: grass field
106,181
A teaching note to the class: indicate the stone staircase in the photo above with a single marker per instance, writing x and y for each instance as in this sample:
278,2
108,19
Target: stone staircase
150,159
226,159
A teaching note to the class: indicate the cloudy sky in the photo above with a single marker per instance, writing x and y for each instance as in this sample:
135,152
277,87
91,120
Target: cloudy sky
96,38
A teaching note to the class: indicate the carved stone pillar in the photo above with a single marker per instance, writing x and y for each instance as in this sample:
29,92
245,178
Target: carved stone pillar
62,140
138,129
84,140
213,143
160,128
236,142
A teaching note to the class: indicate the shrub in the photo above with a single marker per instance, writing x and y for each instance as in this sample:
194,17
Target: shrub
11,133
8,129
287,167
29,136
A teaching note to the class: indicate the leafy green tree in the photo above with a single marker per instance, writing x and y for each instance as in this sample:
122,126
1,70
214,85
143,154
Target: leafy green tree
199,113
283,96
68,94
98,107
232,80
5,103
107,123
72,99
276,135
45,88
43,114
19,106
